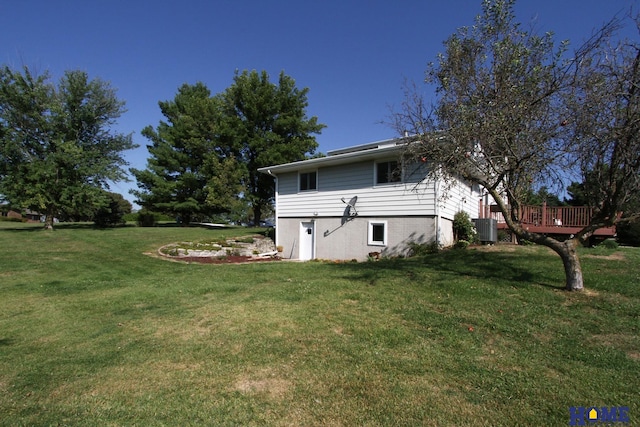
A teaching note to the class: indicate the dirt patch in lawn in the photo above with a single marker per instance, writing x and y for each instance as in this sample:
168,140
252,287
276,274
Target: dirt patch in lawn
616,256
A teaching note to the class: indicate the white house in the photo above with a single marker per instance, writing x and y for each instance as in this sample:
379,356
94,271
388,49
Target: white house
363,199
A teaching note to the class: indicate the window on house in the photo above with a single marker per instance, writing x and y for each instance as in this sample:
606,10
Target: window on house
387,172
377,233
309,181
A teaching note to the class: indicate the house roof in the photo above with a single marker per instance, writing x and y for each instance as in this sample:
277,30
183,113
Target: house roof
341,156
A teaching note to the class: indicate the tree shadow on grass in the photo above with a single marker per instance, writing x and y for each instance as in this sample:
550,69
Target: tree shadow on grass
5,342
59,226
62,226
516,269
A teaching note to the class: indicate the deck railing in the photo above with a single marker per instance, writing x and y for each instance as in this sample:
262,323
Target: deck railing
546,216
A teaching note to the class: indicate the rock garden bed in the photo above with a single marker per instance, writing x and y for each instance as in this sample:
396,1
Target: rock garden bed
254,248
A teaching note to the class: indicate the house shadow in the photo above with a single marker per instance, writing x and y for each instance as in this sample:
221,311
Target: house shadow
501,268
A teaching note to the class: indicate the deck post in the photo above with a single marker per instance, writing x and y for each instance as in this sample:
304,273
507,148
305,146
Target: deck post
544,213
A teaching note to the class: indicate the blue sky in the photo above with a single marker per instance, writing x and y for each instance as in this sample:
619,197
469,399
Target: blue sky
352,55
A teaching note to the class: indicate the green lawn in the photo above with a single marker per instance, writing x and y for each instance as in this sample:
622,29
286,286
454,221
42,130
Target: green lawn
95,332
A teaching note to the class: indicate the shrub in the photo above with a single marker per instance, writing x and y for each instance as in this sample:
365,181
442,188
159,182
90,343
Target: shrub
270,233
112,212
11,219
146,219
629,232
422,249
461,244
609,244
130,217
463,228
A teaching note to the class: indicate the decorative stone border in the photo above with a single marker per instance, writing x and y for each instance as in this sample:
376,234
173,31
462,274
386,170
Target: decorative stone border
261,248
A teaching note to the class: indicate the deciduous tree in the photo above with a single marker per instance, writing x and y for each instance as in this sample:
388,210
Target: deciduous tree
515,111
58,150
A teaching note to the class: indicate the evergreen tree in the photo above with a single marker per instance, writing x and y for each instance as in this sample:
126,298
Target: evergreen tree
112,212
204,159
265,124
184,157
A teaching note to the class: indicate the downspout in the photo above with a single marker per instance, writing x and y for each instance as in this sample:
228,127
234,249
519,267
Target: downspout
275,177
437,209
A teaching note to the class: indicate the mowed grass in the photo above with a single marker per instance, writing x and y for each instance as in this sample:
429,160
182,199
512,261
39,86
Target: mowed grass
96,331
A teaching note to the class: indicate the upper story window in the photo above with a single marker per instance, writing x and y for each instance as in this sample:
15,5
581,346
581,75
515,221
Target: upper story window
308,181
387,172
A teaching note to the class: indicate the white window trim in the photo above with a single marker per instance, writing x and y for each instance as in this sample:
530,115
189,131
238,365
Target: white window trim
307,172
370,240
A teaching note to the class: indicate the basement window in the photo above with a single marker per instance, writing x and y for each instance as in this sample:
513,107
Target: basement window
377,235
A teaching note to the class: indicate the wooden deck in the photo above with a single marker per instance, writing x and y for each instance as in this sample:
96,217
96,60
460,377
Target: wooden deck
564,220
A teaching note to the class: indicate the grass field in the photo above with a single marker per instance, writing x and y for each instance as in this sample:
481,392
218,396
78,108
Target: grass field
95,332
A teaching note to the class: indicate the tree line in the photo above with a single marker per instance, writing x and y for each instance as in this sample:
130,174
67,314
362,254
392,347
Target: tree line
204,157
59,151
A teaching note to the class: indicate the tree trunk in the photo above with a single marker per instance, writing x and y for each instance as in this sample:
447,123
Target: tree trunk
567,250
572,269
48,221
257,214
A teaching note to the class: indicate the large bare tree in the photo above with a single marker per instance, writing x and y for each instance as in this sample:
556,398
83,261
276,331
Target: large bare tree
514,110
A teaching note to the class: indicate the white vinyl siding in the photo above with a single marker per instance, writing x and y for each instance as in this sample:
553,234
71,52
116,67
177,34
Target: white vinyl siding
460,198
412,197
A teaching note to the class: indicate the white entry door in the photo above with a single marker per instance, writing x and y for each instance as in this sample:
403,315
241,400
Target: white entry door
307,241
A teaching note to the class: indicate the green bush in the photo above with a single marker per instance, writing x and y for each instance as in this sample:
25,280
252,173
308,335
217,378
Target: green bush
463,228
461,244
112,212
131,217
146,219
422,249
270,233
609,244
629,233
11,219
